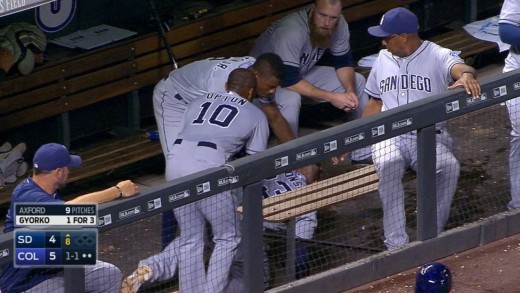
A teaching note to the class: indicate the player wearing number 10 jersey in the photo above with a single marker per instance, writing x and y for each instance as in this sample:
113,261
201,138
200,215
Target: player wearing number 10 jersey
216,127
173,94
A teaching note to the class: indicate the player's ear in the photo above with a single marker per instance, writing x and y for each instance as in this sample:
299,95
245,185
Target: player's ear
313,6
251,94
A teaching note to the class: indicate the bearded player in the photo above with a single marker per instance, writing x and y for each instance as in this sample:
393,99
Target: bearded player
301,39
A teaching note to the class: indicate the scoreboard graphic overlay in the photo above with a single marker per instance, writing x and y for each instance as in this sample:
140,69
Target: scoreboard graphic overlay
55,235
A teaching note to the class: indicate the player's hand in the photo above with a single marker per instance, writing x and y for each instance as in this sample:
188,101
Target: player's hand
128,188
311,172
336,160
470,84
345,101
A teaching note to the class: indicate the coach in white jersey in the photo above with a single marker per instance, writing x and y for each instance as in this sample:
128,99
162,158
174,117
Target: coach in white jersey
301,39
509,30
410,69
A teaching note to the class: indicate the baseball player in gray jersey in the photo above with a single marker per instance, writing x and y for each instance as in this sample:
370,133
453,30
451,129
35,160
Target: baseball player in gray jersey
410,69
301,39
509,30
173,94
305,227
163,266
216,127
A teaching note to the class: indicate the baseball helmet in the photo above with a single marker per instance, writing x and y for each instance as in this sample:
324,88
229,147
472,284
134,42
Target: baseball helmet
23,40
433,277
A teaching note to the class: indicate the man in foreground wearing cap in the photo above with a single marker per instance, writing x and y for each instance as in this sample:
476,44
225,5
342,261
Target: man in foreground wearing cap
408,70
51,167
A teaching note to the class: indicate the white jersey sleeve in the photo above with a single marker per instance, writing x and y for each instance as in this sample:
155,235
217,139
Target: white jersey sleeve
371,87
510,12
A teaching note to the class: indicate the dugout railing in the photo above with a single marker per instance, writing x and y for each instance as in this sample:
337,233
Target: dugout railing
249,171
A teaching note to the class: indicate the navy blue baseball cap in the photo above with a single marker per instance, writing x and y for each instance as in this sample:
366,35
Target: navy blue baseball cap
52,156
395,22
433,277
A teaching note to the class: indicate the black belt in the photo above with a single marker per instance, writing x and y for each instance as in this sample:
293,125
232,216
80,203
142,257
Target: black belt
200,143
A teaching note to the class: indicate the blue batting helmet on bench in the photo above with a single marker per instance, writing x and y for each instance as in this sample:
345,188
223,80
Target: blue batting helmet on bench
433,277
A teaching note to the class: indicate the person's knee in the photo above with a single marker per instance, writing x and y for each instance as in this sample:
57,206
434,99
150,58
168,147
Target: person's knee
113,271
449,166
107,271
389,166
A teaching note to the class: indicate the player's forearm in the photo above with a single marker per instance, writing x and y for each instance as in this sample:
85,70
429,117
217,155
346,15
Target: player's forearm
102,196
373,107
122,189
459,69
306,89
347,77
277,122
282,130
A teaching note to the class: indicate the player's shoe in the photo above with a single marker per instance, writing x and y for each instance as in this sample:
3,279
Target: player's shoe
133,282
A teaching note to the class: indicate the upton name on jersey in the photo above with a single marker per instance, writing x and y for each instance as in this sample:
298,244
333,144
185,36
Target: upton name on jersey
231,99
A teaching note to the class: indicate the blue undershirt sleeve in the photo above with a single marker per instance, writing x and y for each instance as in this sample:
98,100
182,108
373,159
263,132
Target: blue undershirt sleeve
509,33
345,60
291,76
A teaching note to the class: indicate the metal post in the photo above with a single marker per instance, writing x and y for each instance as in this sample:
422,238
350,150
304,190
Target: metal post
64,129
426,184
290,262
471,11
134,109
252,239
74,280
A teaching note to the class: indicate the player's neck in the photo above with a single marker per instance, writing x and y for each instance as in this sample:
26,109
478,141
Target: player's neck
45,183
413,46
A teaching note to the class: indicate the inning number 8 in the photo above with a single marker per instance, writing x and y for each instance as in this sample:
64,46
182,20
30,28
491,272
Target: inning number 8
229,111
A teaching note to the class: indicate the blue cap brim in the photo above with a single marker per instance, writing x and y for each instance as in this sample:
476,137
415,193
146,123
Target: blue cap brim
75,161
376,31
